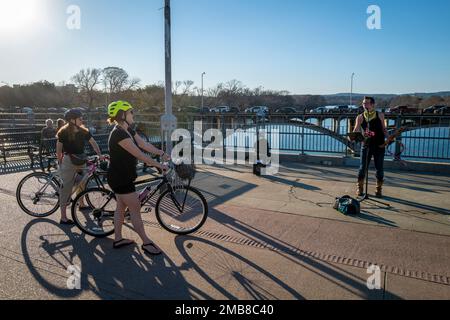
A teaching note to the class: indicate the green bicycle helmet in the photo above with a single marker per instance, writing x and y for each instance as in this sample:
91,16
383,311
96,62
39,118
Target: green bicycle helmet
116,106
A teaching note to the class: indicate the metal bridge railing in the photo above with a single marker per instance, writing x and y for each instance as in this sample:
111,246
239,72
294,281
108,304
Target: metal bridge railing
427,136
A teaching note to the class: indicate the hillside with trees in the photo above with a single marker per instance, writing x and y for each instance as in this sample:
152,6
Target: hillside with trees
91,88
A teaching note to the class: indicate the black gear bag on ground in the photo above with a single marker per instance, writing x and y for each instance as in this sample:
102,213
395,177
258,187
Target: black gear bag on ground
347,205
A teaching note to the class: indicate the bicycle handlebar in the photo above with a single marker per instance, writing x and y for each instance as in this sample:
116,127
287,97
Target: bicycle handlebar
95,159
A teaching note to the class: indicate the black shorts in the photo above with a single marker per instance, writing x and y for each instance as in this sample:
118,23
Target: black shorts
124,189
121,185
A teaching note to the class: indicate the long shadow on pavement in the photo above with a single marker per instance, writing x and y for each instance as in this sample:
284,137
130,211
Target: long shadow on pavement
417,205
17,166
280,246
294,184
225,267
107,273
316,172
221,266
364,215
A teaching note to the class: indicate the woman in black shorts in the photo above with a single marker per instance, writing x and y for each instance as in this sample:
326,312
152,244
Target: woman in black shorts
125,149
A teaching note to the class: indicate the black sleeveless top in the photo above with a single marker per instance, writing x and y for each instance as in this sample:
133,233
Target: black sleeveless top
376,126
122,167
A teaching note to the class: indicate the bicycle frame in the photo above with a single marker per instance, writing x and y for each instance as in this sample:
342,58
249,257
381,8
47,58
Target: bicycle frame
91,172
163,181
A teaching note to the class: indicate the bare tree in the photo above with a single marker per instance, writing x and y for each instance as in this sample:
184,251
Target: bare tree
87,80
116,80
176,86
215,91
233,87
406,100
434,100
133,84
187,85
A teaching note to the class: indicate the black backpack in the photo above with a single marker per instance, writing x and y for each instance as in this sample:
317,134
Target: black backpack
347,205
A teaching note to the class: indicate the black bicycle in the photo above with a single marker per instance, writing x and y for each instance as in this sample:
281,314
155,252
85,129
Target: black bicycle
179,208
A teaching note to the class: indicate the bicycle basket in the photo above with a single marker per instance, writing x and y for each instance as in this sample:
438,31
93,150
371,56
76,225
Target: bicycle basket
185,171
104,165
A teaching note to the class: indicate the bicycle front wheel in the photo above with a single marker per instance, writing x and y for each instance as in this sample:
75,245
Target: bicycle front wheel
96,181
97,218
181,210
38,194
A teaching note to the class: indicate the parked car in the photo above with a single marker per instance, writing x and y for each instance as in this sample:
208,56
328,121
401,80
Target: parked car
63,109
27,110
403,109
257,109
379,109
221,109
443,110
52,110
339,109
320,110
101,109
432,109
189,109
204,110
234,110
286,110
153,109
353,109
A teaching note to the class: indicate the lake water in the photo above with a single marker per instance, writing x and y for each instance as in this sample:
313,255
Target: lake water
431,144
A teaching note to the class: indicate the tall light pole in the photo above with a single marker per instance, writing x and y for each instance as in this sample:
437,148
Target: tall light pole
106,94
351,89
168,120
202,88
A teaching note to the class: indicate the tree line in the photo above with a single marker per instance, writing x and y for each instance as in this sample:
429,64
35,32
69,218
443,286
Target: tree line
95,87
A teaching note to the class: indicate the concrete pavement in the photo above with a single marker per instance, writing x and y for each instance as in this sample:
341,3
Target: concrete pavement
266,238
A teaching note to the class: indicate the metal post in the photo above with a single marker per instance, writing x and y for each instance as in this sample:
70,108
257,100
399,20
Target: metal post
351,90
202,89
303,133
398,125
106,96
168,120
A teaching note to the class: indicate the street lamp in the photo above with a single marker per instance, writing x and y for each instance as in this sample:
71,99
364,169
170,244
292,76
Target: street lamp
106,93
168,120
202,88
351,89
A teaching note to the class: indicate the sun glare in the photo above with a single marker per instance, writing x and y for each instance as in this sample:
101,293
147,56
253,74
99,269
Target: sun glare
18,15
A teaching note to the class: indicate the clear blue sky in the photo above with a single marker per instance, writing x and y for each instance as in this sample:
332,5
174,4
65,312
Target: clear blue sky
303,46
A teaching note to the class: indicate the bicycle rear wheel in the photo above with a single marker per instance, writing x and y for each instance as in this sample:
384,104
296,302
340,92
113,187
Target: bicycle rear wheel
97,219
182,211
38,194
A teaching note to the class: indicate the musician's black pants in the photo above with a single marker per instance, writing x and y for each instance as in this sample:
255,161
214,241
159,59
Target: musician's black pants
378,158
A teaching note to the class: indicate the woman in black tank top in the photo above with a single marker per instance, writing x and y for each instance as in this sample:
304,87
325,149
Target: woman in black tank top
371,124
